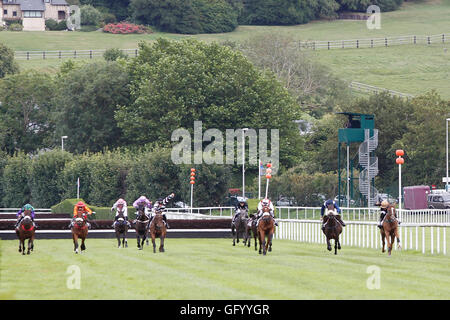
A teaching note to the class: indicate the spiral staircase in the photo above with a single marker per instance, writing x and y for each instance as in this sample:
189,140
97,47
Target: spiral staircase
369,166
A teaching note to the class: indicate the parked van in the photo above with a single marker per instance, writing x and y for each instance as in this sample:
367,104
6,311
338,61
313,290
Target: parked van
439,201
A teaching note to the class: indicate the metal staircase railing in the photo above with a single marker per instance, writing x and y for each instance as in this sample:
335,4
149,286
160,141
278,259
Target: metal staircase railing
369,167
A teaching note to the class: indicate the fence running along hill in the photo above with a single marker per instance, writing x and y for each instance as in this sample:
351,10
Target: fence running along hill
301,44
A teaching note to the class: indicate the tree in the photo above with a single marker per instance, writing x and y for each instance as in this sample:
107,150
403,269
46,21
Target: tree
86,102
190,16
45,173
7,63
16,191
174,84
25,108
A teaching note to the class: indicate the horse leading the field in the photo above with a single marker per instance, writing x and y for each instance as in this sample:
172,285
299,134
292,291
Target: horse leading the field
26,230
389,226
266,229
332,228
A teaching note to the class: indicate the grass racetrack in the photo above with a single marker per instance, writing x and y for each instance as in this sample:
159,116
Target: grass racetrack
204,269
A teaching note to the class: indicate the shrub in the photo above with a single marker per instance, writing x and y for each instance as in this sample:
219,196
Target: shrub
15,181
125,28
44,174
90,15
53,25
113,54
15,27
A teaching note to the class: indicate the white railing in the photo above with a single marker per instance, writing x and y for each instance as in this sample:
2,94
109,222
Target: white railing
427,238
15,210
203,211
366,214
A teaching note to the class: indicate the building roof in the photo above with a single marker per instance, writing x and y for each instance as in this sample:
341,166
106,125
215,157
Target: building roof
34,5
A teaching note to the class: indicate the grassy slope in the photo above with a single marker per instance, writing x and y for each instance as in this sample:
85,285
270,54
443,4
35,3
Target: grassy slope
213,269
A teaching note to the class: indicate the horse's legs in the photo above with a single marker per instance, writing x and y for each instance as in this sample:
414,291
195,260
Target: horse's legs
118,239
269,242
20,245
328,244
388,243
398,239
335,245
29,246
83,246
75,243
154,243
161,244
383,236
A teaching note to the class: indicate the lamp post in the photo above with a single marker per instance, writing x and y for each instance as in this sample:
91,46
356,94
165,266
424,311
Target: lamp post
399,161
243,161
62,142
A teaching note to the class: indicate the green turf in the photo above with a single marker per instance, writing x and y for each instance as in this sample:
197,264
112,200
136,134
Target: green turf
213,269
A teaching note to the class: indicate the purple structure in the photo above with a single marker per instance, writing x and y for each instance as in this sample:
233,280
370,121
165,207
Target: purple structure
415,197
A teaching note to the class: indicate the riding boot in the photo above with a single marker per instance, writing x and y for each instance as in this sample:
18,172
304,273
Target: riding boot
18,221
340,221
165,220
380,225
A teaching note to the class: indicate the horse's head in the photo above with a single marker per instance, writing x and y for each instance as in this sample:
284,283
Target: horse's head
141,214
332,213
80,222
158,220
27,221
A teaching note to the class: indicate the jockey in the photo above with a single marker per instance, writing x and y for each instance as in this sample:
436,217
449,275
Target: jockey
121,208
330,205
160,205
384,206
265,203
241,205
84,210
143,203
26,210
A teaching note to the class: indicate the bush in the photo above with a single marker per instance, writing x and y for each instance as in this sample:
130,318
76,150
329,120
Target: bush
113,54
53,25
125,28
90,15
7,63
44,174
15,181
15,27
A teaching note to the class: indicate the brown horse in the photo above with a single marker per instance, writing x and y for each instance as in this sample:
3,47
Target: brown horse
121,229
266,228
79,231
25,230
389,230
251,230
332,229
158,229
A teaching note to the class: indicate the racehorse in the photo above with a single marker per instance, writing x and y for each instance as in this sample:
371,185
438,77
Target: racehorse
158,229
25,230
141,227
389,229
239,226
266,228
121,229
79,231
332,229
251,229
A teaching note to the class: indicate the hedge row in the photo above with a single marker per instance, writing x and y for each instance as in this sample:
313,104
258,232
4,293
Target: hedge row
50,177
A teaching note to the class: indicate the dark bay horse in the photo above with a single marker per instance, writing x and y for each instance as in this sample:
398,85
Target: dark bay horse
239,226
121,229
266,228
79,231
332,229
158,229
141,227
251,230
389,230
25,230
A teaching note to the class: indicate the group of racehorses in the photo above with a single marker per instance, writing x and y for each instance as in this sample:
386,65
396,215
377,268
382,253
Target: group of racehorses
156,228
244,226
